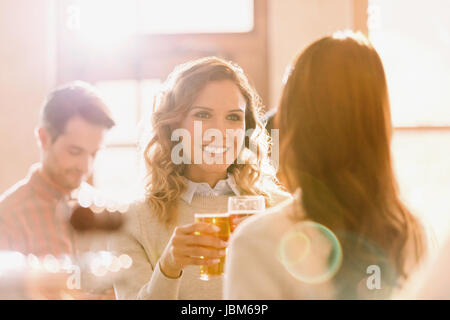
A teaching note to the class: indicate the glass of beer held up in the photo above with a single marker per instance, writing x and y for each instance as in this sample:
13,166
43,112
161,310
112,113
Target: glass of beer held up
221,220
241,207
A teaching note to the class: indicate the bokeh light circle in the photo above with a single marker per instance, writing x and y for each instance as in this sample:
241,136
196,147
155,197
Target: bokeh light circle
125,261
310,252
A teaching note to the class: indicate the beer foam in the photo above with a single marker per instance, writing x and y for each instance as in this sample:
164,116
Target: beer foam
211,215
244,212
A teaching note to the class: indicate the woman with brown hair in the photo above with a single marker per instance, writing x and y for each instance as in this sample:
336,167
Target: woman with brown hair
346,232
160,236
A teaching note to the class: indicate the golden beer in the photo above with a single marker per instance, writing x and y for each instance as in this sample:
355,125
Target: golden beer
221,220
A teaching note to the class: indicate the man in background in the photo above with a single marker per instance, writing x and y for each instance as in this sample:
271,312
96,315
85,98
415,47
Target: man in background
33,212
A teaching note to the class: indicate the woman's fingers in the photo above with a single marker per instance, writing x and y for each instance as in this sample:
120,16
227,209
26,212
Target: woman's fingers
197,261
199,240
196,227
188,247
200,252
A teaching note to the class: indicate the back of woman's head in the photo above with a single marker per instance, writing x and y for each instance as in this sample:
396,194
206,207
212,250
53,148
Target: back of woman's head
335,140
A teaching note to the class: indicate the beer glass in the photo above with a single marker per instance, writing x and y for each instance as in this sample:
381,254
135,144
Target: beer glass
241,207
222,221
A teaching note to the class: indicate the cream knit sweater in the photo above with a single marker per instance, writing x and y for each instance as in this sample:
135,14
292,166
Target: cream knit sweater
254,269
144,238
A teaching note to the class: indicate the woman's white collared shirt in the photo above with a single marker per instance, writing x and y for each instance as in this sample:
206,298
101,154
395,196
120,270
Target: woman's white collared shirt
223,187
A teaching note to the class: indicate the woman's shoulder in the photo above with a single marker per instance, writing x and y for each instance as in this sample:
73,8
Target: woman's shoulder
138,212
136,208
279,196
274,222
138,205
143,225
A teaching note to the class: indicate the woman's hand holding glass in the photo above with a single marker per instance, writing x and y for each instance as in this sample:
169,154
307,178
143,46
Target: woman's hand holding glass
192,244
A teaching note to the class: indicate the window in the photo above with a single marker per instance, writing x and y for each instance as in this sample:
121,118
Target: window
129,101
413,40
421,163
96,17
119,172
195,16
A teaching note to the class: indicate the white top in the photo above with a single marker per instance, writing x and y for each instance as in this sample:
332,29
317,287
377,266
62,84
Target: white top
255,269
223,187
436,284
260,247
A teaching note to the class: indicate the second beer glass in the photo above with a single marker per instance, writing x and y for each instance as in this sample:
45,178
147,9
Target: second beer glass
241,207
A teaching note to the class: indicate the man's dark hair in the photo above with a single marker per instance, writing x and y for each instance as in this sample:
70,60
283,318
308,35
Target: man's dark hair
74,99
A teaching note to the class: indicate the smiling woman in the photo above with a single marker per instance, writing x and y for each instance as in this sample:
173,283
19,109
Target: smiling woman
161,236
217,94
220,111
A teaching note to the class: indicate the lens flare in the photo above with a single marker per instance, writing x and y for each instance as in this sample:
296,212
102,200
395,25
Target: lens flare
296,246
123,207
99,200
11,261
97,209
125,261
99,263
310,252
111,205
100,271
33,262
115,264
51,264
66,263
84,201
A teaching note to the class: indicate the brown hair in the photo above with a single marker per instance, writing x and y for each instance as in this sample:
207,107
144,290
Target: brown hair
335,111
74,99
165,184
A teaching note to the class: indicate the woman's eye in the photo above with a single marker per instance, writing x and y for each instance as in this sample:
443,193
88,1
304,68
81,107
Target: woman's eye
203,115
234,117
74,153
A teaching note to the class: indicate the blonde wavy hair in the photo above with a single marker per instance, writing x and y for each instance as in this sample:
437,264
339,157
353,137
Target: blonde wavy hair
164,183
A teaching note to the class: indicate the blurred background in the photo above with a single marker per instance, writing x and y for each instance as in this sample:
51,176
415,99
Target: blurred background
128,47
